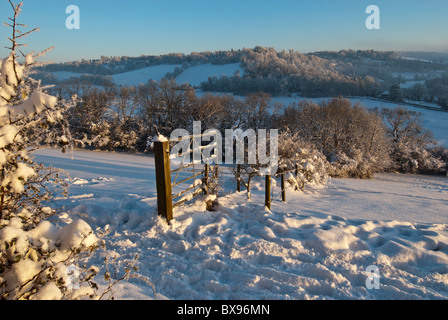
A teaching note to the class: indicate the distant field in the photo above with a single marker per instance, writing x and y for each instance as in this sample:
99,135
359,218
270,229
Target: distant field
194,75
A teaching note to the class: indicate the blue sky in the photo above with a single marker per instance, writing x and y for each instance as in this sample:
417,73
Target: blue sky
135,27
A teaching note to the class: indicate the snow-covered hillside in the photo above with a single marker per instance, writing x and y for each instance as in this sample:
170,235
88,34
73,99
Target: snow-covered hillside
142,76
193,75
197,74
317,245
65,75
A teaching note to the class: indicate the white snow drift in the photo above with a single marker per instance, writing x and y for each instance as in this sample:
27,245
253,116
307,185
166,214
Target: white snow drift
317,245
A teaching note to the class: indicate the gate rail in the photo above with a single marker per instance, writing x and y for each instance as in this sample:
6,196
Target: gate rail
164,181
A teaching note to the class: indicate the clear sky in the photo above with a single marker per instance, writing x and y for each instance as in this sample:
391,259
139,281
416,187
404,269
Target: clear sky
136,27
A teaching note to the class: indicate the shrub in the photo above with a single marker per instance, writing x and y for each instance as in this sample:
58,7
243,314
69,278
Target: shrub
352,138
306,166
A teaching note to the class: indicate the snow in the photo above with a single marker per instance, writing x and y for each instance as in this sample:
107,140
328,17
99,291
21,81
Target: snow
130,78
160,138
318,245
21,272
142,76
7,135
193,75
65,75
17,177
10,74
49,292
74,234
44,237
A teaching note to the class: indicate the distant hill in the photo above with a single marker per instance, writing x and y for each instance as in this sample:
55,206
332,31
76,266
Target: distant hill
419,75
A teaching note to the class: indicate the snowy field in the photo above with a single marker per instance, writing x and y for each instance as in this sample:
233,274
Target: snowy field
317,245
142,76
194,75
65,75
197,74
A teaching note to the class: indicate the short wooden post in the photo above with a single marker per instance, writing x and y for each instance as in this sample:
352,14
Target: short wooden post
282,176
163,179
267,197
205,182
238,174
297,175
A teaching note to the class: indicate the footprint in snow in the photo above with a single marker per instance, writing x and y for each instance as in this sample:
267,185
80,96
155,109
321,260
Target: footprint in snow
81,181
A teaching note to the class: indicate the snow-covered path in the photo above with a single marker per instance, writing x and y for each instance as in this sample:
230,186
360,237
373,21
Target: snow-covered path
315,246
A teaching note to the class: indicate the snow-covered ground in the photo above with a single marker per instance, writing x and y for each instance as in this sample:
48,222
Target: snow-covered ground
65,75
317,245
142,76
194,75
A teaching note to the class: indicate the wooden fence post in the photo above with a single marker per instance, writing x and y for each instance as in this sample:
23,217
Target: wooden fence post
206,178
282,176
267,197
238,182
163,179
297,175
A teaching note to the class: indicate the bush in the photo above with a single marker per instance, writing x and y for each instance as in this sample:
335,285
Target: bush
306,166
411,144
352,138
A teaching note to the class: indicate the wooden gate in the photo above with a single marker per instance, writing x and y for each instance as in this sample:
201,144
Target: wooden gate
165,182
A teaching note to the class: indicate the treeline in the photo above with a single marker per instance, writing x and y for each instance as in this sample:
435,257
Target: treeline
355,141
348,62
288,72
347,73
307,85
123,118
359,142
114,65
432,90
326,73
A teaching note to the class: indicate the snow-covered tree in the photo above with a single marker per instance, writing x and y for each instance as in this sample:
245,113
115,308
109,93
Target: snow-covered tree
411,142
304,164
37,258
342,132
